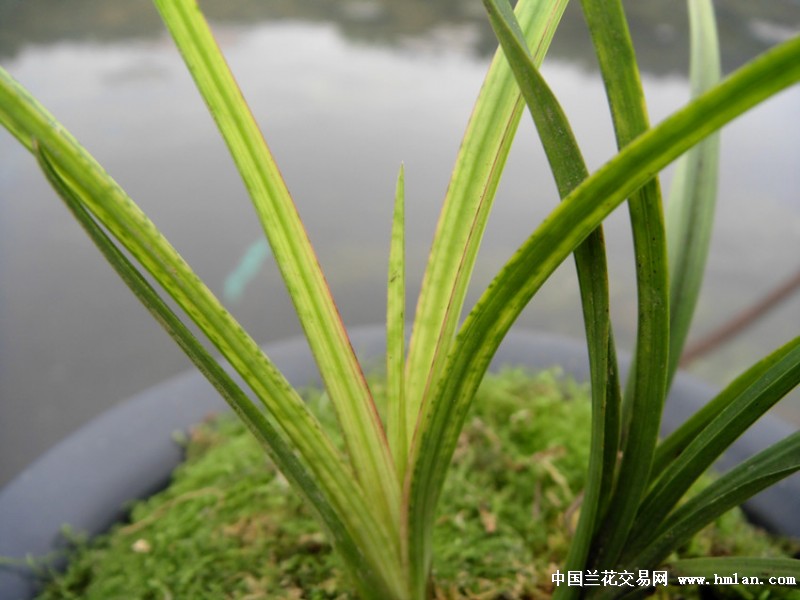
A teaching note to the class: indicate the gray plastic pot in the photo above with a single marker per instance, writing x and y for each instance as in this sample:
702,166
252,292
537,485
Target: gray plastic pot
129,452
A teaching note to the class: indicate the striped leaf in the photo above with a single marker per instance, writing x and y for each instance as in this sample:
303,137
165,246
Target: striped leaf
395,332
281,452
341,373
99,194
469,199
463,218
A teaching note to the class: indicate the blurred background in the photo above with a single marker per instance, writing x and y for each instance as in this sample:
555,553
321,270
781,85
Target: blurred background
344,92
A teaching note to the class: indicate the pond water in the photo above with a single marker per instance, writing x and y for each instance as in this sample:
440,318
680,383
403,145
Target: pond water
344,95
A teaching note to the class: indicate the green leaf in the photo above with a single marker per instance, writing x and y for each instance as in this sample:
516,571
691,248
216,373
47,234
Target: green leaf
361,426
552,242
569,170
281,453
754,393
396,334
98,193
737,485
749,384
692,198
644,395
469,198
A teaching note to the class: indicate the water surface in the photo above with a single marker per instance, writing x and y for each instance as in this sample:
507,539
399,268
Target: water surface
343,96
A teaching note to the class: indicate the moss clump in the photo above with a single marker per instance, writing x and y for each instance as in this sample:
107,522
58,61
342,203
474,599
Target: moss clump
229,526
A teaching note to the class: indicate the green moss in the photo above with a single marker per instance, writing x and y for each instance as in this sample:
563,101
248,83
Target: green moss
229,527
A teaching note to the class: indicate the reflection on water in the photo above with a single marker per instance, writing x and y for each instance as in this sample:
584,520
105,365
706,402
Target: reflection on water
340,115
746,27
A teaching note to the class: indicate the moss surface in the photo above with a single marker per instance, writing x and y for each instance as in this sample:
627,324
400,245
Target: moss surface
229,527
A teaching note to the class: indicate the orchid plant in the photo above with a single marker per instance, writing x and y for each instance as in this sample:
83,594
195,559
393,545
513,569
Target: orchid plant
376,499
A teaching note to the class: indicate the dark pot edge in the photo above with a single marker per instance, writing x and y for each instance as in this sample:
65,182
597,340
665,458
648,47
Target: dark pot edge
83,475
